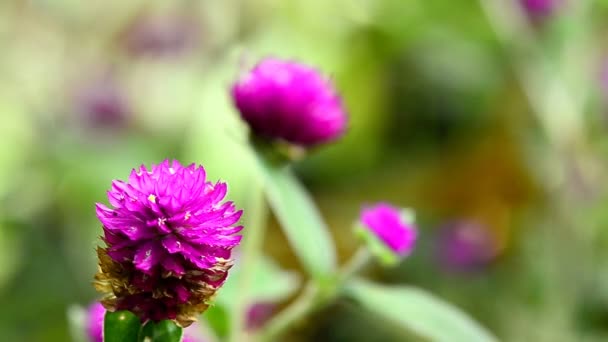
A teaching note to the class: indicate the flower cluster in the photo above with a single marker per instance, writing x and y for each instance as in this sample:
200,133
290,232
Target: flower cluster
169,237
289,101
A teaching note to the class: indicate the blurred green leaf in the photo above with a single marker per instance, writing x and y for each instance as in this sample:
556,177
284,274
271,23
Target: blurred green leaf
300,220
11,241
217,319
163,331
121,326
418,311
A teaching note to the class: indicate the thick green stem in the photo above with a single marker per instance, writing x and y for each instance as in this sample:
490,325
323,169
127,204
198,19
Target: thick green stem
253,238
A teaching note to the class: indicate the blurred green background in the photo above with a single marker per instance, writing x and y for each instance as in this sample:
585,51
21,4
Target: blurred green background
490,122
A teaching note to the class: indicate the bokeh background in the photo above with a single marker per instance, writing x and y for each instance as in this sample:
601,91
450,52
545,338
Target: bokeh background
489,118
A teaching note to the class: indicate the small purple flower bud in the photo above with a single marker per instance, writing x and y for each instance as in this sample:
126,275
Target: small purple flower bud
258,314
162,36
101,102
465,246
390,226
94,322
289,101
169,238
539,8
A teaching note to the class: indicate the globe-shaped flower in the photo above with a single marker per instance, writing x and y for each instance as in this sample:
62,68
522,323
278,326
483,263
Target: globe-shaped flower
391,227
169,238
289,101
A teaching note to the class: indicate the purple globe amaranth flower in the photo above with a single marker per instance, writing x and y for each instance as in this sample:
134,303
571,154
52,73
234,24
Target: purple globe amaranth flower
391,227
289,101
94,322
169,238
95,317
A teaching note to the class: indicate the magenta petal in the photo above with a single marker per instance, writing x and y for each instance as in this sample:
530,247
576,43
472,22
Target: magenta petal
120,255
182,293
173,265
172,244
148,256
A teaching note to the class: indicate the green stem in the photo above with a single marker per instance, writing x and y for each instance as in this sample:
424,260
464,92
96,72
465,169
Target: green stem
313,296
304,304
355,264
253,239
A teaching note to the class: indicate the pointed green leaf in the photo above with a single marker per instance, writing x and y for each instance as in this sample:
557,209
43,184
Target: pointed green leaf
163,331
418,311
121,326
300,220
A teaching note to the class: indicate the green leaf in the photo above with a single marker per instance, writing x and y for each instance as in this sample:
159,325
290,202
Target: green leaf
418,311
217,319
163,331
121,326
300,220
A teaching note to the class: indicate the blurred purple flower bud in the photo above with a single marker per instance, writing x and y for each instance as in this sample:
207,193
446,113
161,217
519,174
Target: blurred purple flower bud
539,8
101,102
603,73
390,226
94,323
162,35
289,101
465,246
258,314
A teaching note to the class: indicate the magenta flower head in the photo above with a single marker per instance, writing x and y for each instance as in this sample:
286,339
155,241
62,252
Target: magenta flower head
392,227
169,237
289,101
